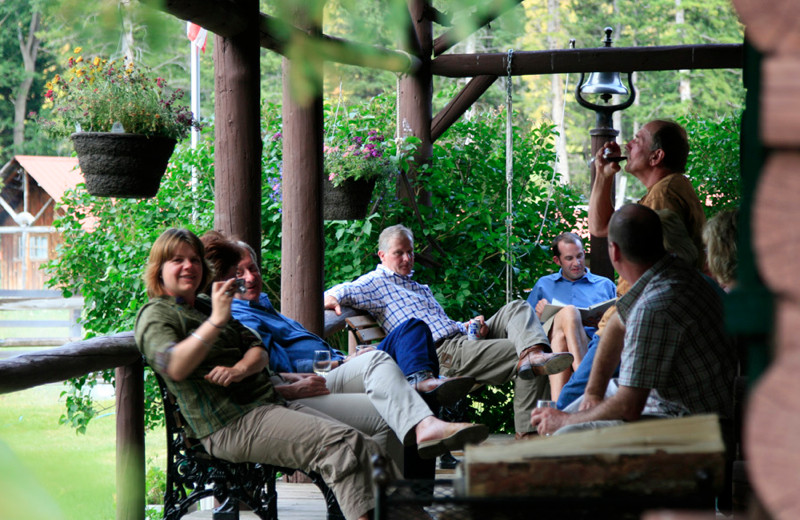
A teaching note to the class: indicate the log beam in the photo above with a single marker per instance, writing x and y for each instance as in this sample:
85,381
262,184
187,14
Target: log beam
475,22
303,244
130,441
237,164
460,104
415,98
70,360
599,59
228,19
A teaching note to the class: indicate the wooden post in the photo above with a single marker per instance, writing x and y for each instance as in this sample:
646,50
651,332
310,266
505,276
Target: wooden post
600,263
130,441
414,103
303,245
237,161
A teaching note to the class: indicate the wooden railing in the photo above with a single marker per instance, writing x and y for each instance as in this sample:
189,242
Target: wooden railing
118,351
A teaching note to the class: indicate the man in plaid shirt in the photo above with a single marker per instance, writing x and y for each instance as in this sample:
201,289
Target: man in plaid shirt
675,342
510,345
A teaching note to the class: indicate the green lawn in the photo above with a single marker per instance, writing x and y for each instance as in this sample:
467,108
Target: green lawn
74,472
35,314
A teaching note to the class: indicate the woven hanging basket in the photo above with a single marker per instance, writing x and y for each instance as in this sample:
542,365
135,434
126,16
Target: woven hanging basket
122,165
348,201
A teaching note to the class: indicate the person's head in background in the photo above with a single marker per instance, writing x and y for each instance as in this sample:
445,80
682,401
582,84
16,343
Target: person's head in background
222,254
720,236
676,237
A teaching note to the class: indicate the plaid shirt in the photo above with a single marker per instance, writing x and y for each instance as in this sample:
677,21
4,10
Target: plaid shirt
392,299
674,339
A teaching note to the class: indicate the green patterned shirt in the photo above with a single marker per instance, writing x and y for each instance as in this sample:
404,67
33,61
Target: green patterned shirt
165,321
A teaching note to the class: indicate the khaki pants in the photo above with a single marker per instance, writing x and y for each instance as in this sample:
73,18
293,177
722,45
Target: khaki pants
296,437
493,360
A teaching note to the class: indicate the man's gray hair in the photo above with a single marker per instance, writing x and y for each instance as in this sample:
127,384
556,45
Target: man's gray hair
388,234
250,251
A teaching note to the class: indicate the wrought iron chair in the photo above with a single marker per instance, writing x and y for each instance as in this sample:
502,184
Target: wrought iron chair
193,474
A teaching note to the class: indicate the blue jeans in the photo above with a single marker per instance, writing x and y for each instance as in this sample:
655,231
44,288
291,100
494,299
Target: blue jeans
577,383
411,345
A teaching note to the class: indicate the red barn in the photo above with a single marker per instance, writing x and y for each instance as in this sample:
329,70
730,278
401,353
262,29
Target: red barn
31,186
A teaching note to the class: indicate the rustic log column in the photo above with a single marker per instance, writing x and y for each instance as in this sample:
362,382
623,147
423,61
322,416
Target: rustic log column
414,104
600,263
130,441
303,245
237,161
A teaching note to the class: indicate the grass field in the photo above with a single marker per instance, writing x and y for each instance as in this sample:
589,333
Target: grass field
74,473
34,314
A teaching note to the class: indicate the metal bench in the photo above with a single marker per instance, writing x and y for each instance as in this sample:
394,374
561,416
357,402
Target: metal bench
193,474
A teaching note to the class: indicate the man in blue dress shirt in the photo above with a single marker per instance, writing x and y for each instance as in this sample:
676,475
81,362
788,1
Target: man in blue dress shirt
573,287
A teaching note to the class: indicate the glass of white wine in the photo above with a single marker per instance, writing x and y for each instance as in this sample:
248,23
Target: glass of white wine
322,362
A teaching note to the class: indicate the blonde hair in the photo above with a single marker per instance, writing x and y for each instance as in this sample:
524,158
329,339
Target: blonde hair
163,249
676,237
720,235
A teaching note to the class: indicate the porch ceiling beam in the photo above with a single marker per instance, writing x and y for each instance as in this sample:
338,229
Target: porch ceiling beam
460,104
446,41
225,18
600,59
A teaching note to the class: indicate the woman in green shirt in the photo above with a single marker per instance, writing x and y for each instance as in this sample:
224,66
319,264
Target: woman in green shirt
217,370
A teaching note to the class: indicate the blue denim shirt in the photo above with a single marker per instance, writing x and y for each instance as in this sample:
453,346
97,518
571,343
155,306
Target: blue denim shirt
291,347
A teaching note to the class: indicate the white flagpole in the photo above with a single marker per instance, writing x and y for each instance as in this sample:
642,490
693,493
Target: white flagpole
195,106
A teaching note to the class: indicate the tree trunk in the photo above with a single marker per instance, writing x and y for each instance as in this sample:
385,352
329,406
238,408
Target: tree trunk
29,47
557,90
685,85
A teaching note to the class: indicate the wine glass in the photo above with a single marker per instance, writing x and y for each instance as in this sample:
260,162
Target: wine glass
322,362
545,403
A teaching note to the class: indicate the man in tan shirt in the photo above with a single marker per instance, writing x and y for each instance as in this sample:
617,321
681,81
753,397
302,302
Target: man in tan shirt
657,156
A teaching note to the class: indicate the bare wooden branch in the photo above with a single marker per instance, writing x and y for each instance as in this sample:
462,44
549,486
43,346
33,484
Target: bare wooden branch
600,59
69,360
478,20
460,104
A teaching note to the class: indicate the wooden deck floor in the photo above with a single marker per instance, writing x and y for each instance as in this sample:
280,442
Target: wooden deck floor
305,502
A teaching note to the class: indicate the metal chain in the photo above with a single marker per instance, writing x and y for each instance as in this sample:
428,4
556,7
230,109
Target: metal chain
509,179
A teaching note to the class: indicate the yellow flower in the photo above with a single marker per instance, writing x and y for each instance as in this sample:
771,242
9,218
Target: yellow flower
78,50
96,61
79,59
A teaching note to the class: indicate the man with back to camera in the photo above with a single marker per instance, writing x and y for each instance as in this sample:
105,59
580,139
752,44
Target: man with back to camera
675,342
573,286
510,345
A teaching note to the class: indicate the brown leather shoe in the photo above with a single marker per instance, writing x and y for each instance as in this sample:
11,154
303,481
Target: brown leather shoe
533,362
445,392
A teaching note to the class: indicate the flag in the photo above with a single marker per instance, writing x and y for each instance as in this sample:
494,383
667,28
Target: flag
197,35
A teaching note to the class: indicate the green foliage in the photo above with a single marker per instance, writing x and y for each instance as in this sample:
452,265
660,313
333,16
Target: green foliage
713,165
97,95
155,481
105,249
461,238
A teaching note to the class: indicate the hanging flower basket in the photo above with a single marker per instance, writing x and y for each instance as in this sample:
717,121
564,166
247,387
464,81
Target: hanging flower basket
347,201
122,165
